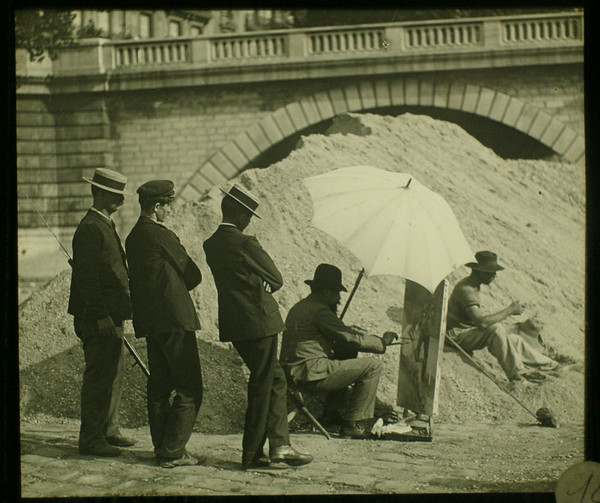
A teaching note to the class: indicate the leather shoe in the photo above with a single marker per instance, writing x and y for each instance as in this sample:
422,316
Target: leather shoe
100,449
186,460
353,431
290,456
261,461
120,441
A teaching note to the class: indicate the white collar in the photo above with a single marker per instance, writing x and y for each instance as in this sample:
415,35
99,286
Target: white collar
100,213
229,224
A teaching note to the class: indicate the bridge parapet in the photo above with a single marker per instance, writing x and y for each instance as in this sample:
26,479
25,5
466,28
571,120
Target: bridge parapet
439,37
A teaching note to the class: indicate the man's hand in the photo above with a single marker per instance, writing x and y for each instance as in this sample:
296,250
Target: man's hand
267,287
516,308
389,337
106,327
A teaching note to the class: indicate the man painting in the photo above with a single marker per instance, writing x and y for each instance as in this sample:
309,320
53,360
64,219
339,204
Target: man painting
245,277
313,329
99,302
471,329
162,273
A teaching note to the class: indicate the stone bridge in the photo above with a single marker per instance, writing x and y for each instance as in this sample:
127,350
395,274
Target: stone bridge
202,110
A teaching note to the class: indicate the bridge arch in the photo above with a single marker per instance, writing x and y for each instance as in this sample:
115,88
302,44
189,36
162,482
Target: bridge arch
237,154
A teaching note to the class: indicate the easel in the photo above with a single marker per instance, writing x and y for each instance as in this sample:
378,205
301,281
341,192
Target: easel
419,369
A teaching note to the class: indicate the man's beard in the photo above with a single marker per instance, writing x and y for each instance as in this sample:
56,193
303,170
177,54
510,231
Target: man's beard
334,307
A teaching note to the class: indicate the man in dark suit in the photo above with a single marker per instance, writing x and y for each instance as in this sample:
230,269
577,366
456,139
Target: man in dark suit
308,350
162,273
249,317
99,302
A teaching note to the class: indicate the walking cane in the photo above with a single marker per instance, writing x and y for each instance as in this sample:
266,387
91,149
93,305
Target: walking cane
136,356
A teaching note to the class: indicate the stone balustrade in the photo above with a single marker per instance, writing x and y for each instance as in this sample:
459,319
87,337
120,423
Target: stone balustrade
472,35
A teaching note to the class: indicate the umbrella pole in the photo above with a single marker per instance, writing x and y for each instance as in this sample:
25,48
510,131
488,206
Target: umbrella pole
356,283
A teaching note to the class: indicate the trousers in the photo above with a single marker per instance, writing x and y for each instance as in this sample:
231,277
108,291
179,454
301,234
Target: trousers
174,366
364,375
102,382
513,354
266,414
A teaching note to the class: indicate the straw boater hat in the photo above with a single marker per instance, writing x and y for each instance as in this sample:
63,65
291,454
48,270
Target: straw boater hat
487,261
245,198
327,276
109,180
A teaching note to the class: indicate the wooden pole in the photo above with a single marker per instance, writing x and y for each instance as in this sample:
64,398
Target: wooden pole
356,283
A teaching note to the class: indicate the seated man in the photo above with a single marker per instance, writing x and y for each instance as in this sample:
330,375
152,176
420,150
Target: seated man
307,351
471,329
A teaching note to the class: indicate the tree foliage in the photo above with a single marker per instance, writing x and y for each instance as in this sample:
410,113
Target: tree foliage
43,31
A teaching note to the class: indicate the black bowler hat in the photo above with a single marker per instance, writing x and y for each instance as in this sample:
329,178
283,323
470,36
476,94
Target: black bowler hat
327,276
487,261
245,198
156,189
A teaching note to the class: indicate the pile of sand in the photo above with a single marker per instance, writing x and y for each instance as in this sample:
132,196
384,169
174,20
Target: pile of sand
532,213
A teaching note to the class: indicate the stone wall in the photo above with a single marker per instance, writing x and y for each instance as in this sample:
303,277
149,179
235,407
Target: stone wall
170,133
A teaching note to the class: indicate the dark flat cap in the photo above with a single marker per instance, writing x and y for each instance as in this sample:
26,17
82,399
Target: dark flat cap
156,188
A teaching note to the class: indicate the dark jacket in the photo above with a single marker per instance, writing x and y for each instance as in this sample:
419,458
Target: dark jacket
99,281
161,274
243,272
312,332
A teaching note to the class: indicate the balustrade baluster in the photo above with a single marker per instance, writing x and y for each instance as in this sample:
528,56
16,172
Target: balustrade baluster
559,29
574,29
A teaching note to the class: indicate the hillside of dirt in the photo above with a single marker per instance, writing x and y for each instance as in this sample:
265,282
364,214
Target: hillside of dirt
532,213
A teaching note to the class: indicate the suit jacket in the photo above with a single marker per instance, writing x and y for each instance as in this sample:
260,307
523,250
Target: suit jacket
99,281
312,332
161,275
243,271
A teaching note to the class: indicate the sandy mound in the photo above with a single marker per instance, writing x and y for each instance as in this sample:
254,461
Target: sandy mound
531,212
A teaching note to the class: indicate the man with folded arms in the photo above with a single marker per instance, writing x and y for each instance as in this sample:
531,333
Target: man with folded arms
314,333
162,273
99,302
472,329
245,277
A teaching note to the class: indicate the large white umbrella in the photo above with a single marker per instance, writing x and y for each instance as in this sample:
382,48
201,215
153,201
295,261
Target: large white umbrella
391,222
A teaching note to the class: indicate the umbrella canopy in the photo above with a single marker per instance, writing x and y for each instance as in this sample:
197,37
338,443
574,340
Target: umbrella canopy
391,222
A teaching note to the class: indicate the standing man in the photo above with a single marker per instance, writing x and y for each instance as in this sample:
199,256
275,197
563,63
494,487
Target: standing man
313,330
99,302
471,329
162,273
245,276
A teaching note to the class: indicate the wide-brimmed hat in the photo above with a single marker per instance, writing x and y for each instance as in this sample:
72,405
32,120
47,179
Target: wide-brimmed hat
327,276
156,189
487,261
242,196
109,180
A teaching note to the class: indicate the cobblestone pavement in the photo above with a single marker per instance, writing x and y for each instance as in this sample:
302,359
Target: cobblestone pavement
461,458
